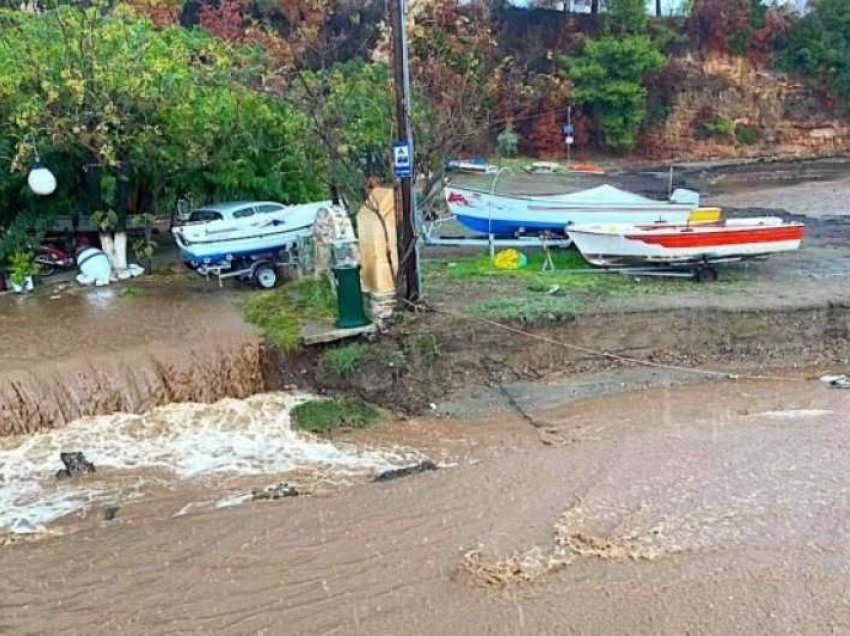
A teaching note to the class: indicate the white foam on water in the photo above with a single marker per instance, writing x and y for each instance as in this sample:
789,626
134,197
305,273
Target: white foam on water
243,437
792,413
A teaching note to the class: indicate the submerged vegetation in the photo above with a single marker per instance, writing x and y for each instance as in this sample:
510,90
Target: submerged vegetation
323,416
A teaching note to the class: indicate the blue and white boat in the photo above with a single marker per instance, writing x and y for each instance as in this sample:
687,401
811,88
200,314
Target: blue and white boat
512,215
260,234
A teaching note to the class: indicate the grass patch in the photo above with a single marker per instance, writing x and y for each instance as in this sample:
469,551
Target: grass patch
315,297
581,285
321,416
481,265
529,309
345,360
279,313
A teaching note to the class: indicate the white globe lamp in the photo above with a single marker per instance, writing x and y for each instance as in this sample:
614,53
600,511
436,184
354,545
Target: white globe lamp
41,180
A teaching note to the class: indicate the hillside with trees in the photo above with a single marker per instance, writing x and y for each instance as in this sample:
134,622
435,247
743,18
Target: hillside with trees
133,103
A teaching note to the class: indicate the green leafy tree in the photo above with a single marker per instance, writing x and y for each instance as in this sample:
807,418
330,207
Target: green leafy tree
626,17
609,85
819,46
129,114
350,122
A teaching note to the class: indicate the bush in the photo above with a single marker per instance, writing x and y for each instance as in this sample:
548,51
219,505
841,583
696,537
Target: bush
609,85
345,360
321,416
716,128
746,135
508,141
819,47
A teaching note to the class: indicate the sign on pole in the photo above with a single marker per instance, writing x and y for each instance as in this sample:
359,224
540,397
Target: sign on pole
402,160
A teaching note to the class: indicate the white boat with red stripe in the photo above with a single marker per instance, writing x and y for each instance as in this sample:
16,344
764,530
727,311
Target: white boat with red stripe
670,244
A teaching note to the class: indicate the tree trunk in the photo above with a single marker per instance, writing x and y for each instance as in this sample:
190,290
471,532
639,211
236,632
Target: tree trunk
658,8
594,7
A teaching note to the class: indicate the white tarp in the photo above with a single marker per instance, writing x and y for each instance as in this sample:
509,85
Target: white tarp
604,194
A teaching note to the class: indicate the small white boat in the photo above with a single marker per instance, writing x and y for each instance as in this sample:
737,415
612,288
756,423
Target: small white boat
511,215
471,167
670,244
259,235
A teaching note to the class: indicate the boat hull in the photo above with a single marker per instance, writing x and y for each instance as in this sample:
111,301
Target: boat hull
670,244
503,215
223,242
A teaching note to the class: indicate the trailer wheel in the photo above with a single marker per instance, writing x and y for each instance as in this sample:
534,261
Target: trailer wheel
705,274
265,276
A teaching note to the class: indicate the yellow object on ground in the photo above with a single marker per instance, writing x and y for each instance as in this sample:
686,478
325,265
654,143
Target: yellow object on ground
510,259
705,215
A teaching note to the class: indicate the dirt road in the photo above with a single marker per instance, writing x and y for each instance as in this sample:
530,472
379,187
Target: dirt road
699,509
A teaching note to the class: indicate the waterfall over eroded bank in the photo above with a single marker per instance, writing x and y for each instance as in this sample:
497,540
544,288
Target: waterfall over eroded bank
71,353
211,453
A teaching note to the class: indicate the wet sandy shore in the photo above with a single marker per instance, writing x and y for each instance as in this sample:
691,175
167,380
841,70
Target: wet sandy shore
697,509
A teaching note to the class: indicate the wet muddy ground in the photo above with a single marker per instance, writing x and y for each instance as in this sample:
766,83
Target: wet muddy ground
702,509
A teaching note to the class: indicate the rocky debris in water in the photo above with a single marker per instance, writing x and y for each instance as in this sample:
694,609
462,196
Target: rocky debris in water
25,526
398,473
75,464
836,381
278,491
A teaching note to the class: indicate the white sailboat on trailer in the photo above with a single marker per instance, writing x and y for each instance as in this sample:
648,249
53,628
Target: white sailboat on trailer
230,240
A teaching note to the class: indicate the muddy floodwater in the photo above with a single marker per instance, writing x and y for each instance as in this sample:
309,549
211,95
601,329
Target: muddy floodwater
70,352
719,508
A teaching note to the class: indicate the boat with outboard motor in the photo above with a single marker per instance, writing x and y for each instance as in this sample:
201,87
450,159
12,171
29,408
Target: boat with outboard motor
512,215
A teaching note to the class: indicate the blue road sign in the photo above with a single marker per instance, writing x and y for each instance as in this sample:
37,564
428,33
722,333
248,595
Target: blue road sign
402,160
569,129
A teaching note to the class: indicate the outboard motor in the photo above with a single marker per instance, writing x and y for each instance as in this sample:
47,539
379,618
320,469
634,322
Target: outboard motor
94,266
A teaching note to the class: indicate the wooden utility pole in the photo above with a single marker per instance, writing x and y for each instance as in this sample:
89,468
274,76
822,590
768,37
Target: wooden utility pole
407,247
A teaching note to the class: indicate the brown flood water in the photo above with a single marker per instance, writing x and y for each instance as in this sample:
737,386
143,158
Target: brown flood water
704,509
71,352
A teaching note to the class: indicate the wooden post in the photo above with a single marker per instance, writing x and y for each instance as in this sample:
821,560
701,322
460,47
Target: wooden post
408,252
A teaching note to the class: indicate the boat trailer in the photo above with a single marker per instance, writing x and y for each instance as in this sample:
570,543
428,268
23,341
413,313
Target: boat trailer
700,271
260,270
492,242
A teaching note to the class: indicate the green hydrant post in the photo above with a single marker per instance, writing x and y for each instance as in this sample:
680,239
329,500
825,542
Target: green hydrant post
349,298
